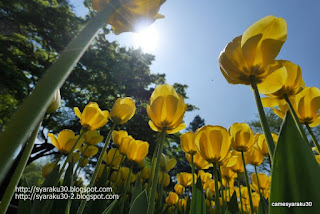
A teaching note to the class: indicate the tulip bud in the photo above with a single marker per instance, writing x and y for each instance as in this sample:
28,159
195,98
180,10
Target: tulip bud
122,110
56,102
163,162
46,170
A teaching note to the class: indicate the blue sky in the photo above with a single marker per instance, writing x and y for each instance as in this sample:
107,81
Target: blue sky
194,33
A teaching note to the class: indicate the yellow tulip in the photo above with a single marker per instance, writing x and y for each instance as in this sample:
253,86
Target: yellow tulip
92,137
292,86
264,182
137,150
210,184
229,160
113,178
84,162
124,145
182,204
238,167
229,183
242,137
124,173
112,154
187,141
122,110
262,143
198,161
166,110
74,158
317,158
145,173
47,169
166,163
117,137
209,203
213,143
204,176
172,199
227,173
184,178
89,150
92,117
253,52
166,179
101,169
254,156
255,200
65,141
142,164
179,189
131,14
56,102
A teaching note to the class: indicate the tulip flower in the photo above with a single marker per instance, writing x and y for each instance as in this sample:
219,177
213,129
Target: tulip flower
182,204
255,200
56,102
262,144
74,158
92,137
213,143
317,158
122,110
254,156
166,179
124,173
137,150
166,163
117,137
242,137
172,199
210,184
260,181
238,167
184,178
179,189
166,110
227,173
113,158
187,141
89,150
129,16
142,164
101,169
199,162
204,176
47,169
65,141
92,117
292,86
124,145
252,53
84,162
145,173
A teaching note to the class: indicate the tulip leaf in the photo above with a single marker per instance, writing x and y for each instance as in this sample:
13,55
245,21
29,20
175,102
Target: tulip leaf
295,173
233,205
263,206
63,206
44,206
24,206
140,204
110,207
198,204
137,190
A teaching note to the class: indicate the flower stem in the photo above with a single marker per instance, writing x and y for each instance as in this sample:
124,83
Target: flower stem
109,168
223,196
216,188
240,193
263,118
192,169
255,169
156,173
19,170
118,171
314,139
296,120
30,112
161,189
247,182
152,167
96,170
125,189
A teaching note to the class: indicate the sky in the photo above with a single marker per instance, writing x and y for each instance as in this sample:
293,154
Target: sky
193,33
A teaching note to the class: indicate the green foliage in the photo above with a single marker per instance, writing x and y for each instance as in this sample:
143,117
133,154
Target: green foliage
140,204
273,120
296,173
33,174
198,204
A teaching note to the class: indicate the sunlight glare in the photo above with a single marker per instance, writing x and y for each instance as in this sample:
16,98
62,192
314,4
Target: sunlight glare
146,39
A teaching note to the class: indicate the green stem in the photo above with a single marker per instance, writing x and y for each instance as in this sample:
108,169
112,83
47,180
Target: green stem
314,139
152,167
296,120
109,168
228,186
192,169
161,189
156,175
125,189
255,169
216,188
96,170
222,192
30,112
75,145
118,172
263,118
239,186
247,182
18,172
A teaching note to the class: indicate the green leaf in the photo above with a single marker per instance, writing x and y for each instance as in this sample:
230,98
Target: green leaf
263,206
44,206
24,206
233,205
137,190
63,206
140,204
295,172
110,207
198,204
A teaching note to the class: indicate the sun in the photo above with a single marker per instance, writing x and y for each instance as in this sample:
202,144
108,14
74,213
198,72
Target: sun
146,39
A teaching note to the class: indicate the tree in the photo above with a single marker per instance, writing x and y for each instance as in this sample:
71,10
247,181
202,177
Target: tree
197,122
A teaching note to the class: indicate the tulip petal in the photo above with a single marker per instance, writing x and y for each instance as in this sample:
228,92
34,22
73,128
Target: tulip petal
77,112
153,127
274,81
64,136
272,102
179,128
54,141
